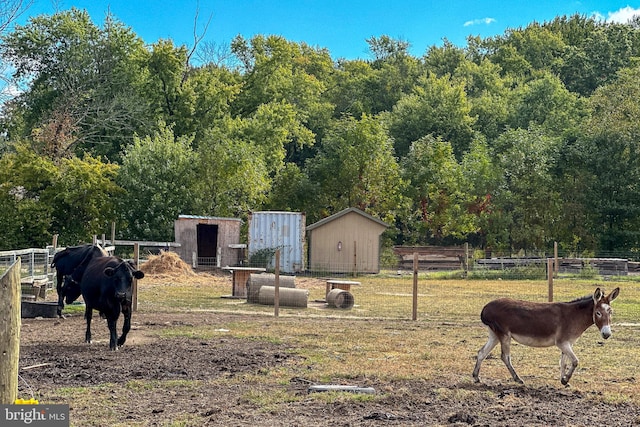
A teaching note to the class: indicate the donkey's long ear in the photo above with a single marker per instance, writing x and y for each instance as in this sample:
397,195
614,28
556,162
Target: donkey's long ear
613,295
597,295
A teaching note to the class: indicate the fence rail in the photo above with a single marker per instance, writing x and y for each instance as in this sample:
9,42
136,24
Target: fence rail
35,263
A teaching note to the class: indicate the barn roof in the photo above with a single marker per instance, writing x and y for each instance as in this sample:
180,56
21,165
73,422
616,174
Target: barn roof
342,213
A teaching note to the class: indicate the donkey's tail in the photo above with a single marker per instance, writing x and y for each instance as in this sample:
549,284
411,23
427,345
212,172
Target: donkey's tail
488,319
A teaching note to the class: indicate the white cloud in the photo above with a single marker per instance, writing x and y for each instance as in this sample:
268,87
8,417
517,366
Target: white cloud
623,15
485,21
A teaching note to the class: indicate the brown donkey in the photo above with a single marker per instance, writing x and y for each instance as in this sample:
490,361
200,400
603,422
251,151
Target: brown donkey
543,325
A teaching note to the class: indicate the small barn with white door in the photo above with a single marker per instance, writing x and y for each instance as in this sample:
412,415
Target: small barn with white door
346,242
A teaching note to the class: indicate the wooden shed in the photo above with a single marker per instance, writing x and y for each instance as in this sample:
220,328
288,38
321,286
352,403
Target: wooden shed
346,242
209,242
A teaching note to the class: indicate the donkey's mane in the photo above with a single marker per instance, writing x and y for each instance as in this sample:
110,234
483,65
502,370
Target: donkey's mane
583,301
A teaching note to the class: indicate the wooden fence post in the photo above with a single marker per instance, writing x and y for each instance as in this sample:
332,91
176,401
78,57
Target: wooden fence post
466,259
276,295
555,257
10,307
134,283
550,277
415,287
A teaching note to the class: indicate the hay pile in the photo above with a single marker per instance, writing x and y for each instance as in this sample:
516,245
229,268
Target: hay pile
167,263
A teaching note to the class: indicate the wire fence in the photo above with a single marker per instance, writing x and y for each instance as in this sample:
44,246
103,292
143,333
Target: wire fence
404,287
35,262
386,295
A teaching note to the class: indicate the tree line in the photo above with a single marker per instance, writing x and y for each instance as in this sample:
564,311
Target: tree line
510,142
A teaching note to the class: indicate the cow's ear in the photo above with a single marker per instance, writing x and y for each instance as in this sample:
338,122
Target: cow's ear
109,271
138,274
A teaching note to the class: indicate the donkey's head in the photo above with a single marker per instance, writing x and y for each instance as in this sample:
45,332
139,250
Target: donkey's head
602,310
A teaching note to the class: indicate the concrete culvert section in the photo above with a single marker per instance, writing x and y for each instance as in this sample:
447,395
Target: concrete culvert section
288,297
340,299
257,281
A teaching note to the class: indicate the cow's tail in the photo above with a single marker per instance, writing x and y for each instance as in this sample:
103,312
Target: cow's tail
57,257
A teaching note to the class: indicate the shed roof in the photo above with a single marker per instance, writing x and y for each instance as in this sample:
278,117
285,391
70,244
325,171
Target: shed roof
342,213
217,218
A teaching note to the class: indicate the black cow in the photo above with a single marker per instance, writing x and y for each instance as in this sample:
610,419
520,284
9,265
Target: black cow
106,287
70,265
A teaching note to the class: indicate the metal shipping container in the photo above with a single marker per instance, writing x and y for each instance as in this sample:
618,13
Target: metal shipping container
269,231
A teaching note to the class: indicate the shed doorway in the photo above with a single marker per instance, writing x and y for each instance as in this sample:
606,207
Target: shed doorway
207,235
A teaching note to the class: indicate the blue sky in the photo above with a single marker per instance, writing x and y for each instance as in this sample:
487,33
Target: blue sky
341,26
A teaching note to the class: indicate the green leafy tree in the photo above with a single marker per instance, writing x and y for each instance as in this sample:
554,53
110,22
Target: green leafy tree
158,175
439,205
26,211
395,73
275,131
611,150
234,175
488,93
276,70
481,178
74,198
444,60
522,51
527,202
84,197
292,191
10,11
80,78
210,91
546,102
351,93
439,107
594,57
355,167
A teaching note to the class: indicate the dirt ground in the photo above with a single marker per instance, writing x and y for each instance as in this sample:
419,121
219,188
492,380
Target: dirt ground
206,382
53,356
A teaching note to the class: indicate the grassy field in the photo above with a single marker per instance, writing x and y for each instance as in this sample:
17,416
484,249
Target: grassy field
417,367
378,338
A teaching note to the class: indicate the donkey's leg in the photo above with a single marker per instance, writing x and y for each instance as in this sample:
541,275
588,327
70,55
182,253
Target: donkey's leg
484,352
563,364
567,352
505,346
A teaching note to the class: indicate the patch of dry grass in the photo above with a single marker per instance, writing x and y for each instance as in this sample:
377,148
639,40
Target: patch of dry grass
377,338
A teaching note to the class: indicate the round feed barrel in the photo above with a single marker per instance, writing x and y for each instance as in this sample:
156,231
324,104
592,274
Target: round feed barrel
289,297
256,281
340,299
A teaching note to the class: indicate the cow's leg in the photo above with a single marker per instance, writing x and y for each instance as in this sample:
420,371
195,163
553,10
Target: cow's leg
567,353
60,293
113,332
505,346
484,352
126,327
88,312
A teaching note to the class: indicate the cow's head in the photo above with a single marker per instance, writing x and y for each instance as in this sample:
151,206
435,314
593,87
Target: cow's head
122,275
71,289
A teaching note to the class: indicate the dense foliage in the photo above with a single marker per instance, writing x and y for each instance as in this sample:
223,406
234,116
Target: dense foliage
511,142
